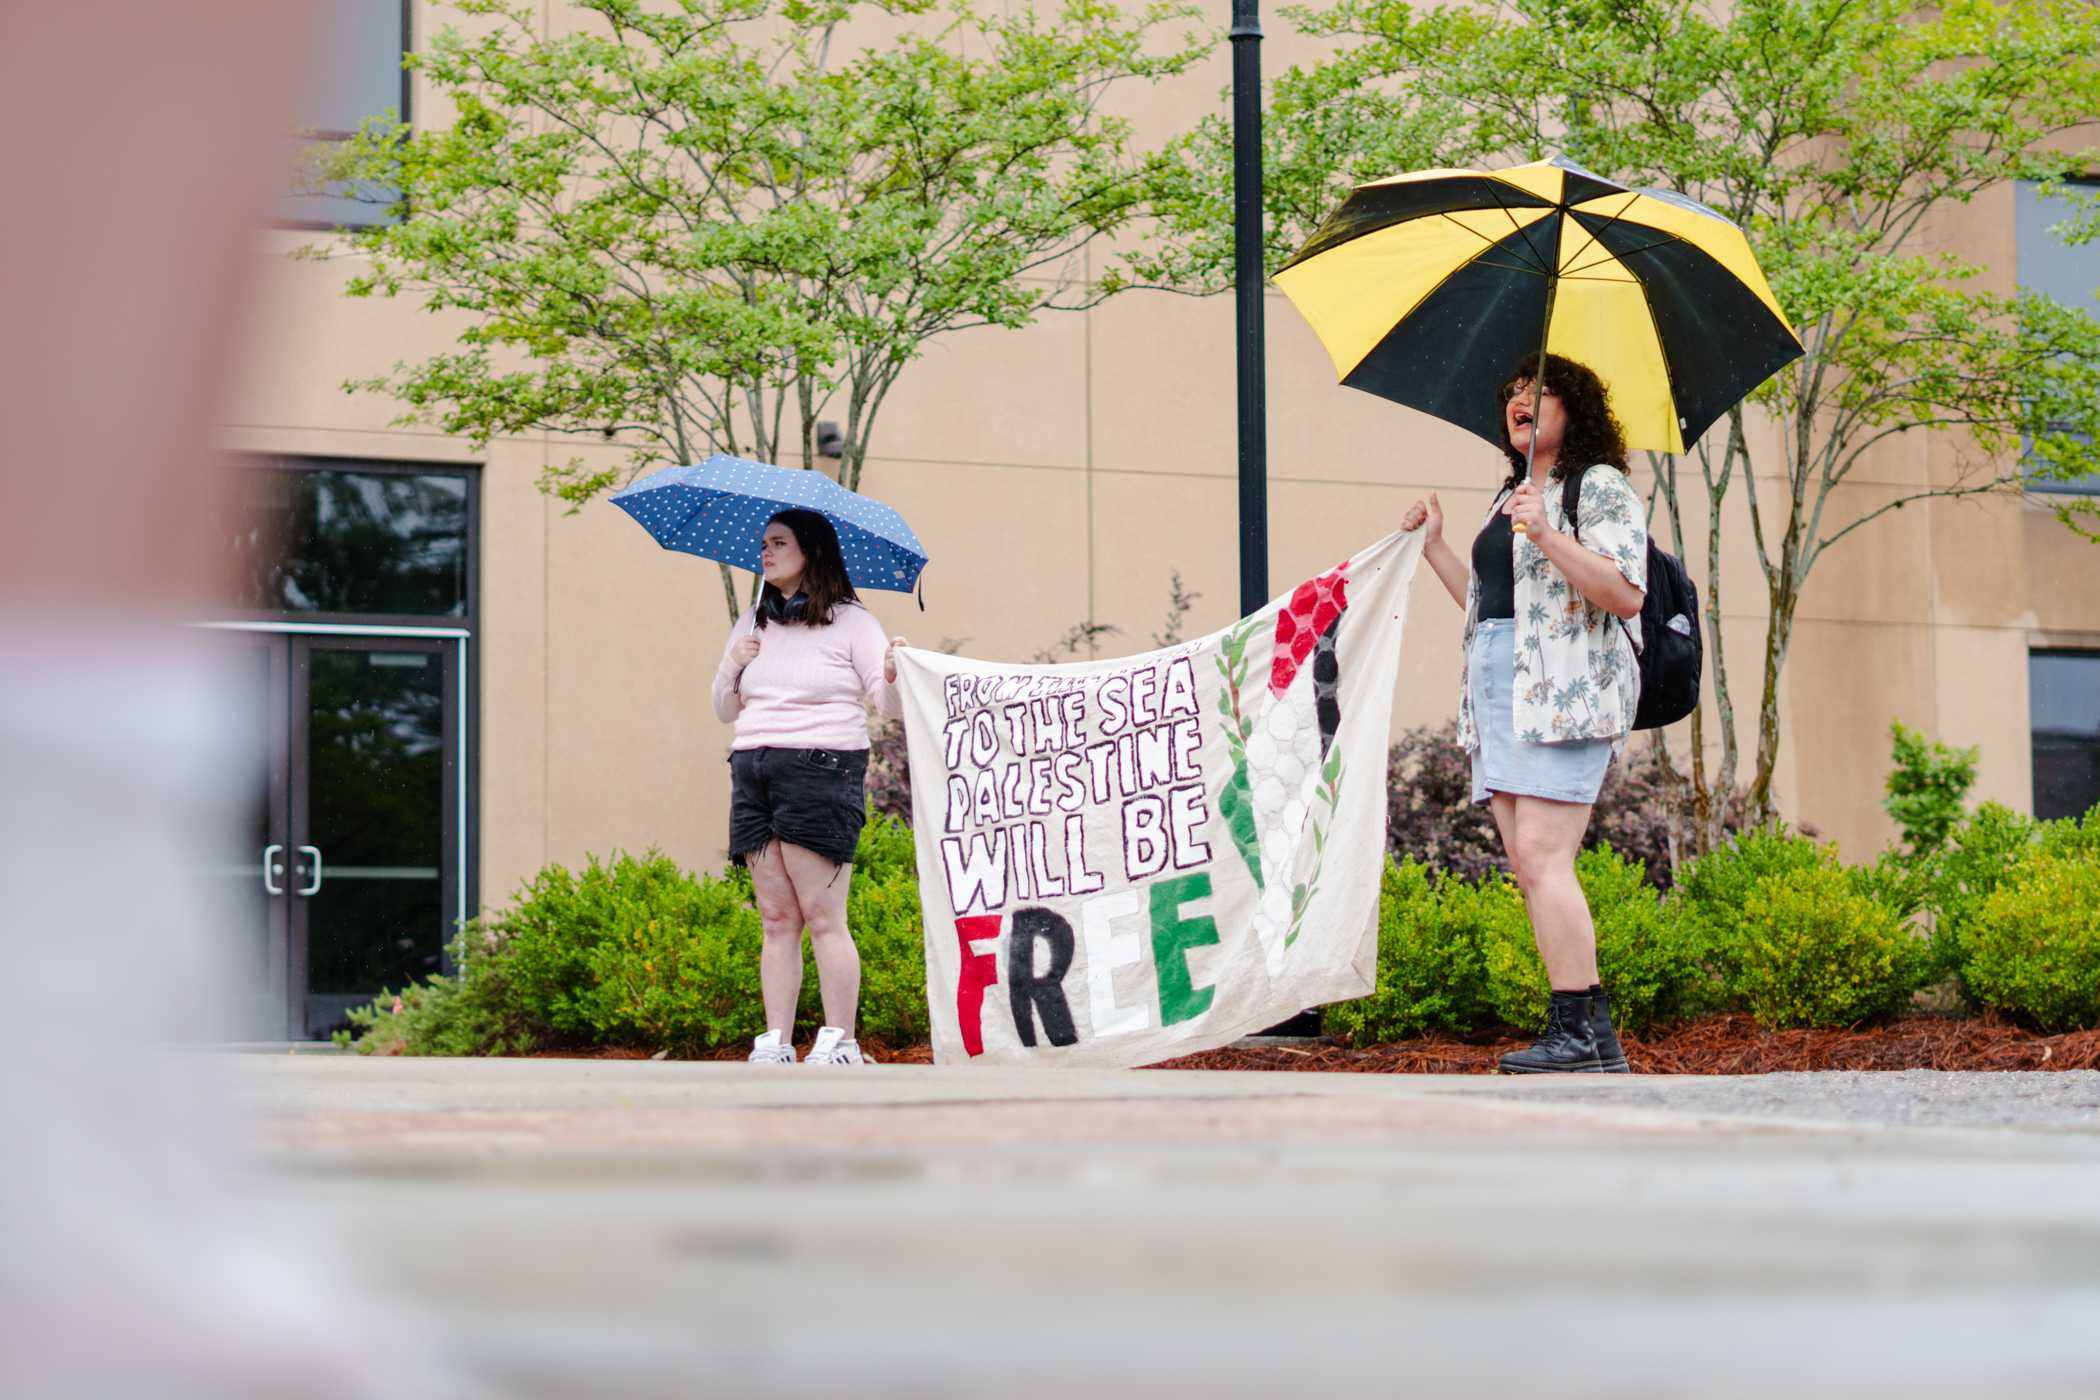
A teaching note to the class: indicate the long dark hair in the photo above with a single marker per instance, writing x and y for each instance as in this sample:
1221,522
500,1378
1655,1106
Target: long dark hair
1594,433
824,582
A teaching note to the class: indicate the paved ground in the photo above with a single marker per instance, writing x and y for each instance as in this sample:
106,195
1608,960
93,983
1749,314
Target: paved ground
579,1228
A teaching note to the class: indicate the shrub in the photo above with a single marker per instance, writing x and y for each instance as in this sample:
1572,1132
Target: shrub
445,1015
882,911
1431,816
1983,848
410,1022
636,952
1642,812
889,930
2032,950
1926,788
1655,971
1712,891
680,972
886,848
1429,974
1993,842
1650,969
1817,952
433,1017
889,771
1513,982
550,937
1899,881
1430,813
1723,878
2072,838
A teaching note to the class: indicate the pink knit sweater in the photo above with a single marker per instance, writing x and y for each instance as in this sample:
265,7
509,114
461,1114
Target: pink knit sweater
808,687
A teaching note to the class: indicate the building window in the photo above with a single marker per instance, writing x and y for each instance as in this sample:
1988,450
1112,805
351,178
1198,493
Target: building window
357,75
2064,272
2063,689
343,538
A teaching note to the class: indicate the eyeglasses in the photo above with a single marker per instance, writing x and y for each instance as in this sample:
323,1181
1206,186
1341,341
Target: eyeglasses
1510,391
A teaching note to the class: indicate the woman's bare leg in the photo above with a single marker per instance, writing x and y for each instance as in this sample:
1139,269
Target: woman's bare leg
1548,834
820,888
1503,808
780,914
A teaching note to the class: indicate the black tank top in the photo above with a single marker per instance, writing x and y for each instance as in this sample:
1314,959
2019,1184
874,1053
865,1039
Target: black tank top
1493,550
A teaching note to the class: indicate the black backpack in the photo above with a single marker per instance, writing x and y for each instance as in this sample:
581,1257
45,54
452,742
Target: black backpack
1670,653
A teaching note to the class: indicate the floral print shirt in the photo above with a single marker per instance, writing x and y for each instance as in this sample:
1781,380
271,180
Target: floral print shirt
1575,675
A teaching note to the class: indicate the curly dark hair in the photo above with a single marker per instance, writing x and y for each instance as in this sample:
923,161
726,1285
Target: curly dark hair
1594,433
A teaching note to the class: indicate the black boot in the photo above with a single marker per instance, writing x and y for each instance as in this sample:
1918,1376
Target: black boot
1569,1044
1609,1054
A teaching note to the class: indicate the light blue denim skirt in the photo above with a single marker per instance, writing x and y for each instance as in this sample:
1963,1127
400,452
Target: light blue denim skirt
1564,772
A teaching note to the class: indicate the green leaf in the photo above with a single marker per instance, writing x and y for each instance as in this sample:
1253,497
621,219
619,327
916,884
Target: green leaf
1914,115
704,226
1236,803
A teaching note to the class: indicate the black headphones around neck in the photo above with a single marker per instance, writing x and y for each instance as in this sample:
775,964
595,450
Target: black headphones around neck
775,607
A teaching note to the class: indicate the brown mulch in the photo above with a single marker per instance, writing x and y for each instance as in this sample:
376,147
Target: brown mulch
1732,1044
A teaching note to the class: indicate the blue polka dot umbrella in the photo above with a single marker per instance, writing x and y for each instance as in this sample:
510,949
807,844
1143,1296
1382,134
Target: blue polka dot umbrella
718,510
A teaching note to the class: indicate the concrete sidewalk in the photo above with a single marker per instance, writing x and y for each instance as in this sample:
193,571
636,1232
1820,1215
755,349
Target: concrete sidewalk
590,1228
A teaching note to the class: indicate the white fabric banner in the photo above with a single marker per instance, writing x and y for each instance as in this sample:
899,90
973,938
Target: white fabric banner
1123,861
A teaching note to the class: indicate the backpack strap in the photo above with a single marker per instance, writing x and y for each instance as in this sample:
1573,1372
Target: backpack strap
1570,498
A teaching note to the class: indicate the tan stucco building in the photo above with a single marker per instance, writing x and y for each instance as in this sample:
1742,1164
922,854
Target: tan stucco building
1056,474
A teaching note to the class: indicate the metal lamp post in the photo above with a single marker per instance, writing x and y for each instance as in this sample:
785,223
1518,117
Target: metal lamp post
1247,291
1247,280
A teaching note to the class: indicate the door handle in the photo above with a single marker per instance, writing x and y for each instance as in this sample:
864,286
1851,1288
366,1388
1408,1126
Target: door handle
271,868
315,888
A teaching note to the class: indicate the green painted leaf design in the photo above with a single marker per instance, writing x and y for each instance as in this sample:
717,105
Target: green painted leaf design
1236,805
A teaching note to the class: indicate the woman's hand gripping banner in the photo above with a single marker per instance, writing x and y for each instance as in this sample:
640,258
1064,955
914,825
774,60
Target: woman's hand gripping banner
1124,861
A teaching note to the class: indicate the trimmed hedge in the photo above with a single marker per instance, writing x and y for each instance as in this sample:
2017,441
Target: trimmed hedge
2032,950
1814,951
1429,971
1458,955
636,952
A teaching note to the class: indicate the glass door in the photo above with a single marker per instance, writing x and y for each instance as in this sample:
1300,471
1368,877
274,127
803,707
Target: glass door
250,868
374,819
353,621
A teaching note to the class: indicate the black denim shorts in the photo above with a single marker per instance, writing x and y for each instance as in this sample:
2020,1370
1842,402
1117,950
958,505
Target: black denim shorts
812,798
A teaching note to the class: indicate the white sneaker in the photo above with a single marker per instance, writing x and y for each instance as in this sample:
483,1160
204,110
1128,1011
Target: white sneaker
771,1049
835,1047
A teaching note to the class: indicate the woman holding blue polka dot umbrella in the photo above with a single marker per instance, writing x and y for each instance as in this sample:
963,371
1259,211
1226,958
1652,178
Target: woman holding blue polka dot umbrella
718,509
799,674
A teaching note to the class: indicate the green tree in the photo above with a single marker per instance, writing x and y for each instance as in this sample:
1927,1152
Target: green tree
701,225
1834,131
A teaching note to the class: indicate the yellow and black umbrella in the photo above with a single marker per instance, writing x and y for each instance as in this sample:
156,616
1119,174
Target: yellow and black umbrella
1427,288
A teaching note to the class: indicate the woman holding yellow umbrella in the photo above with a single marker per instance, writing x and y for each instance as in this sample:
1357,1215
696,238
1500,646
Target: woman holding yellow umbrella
1563,318
1550,679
